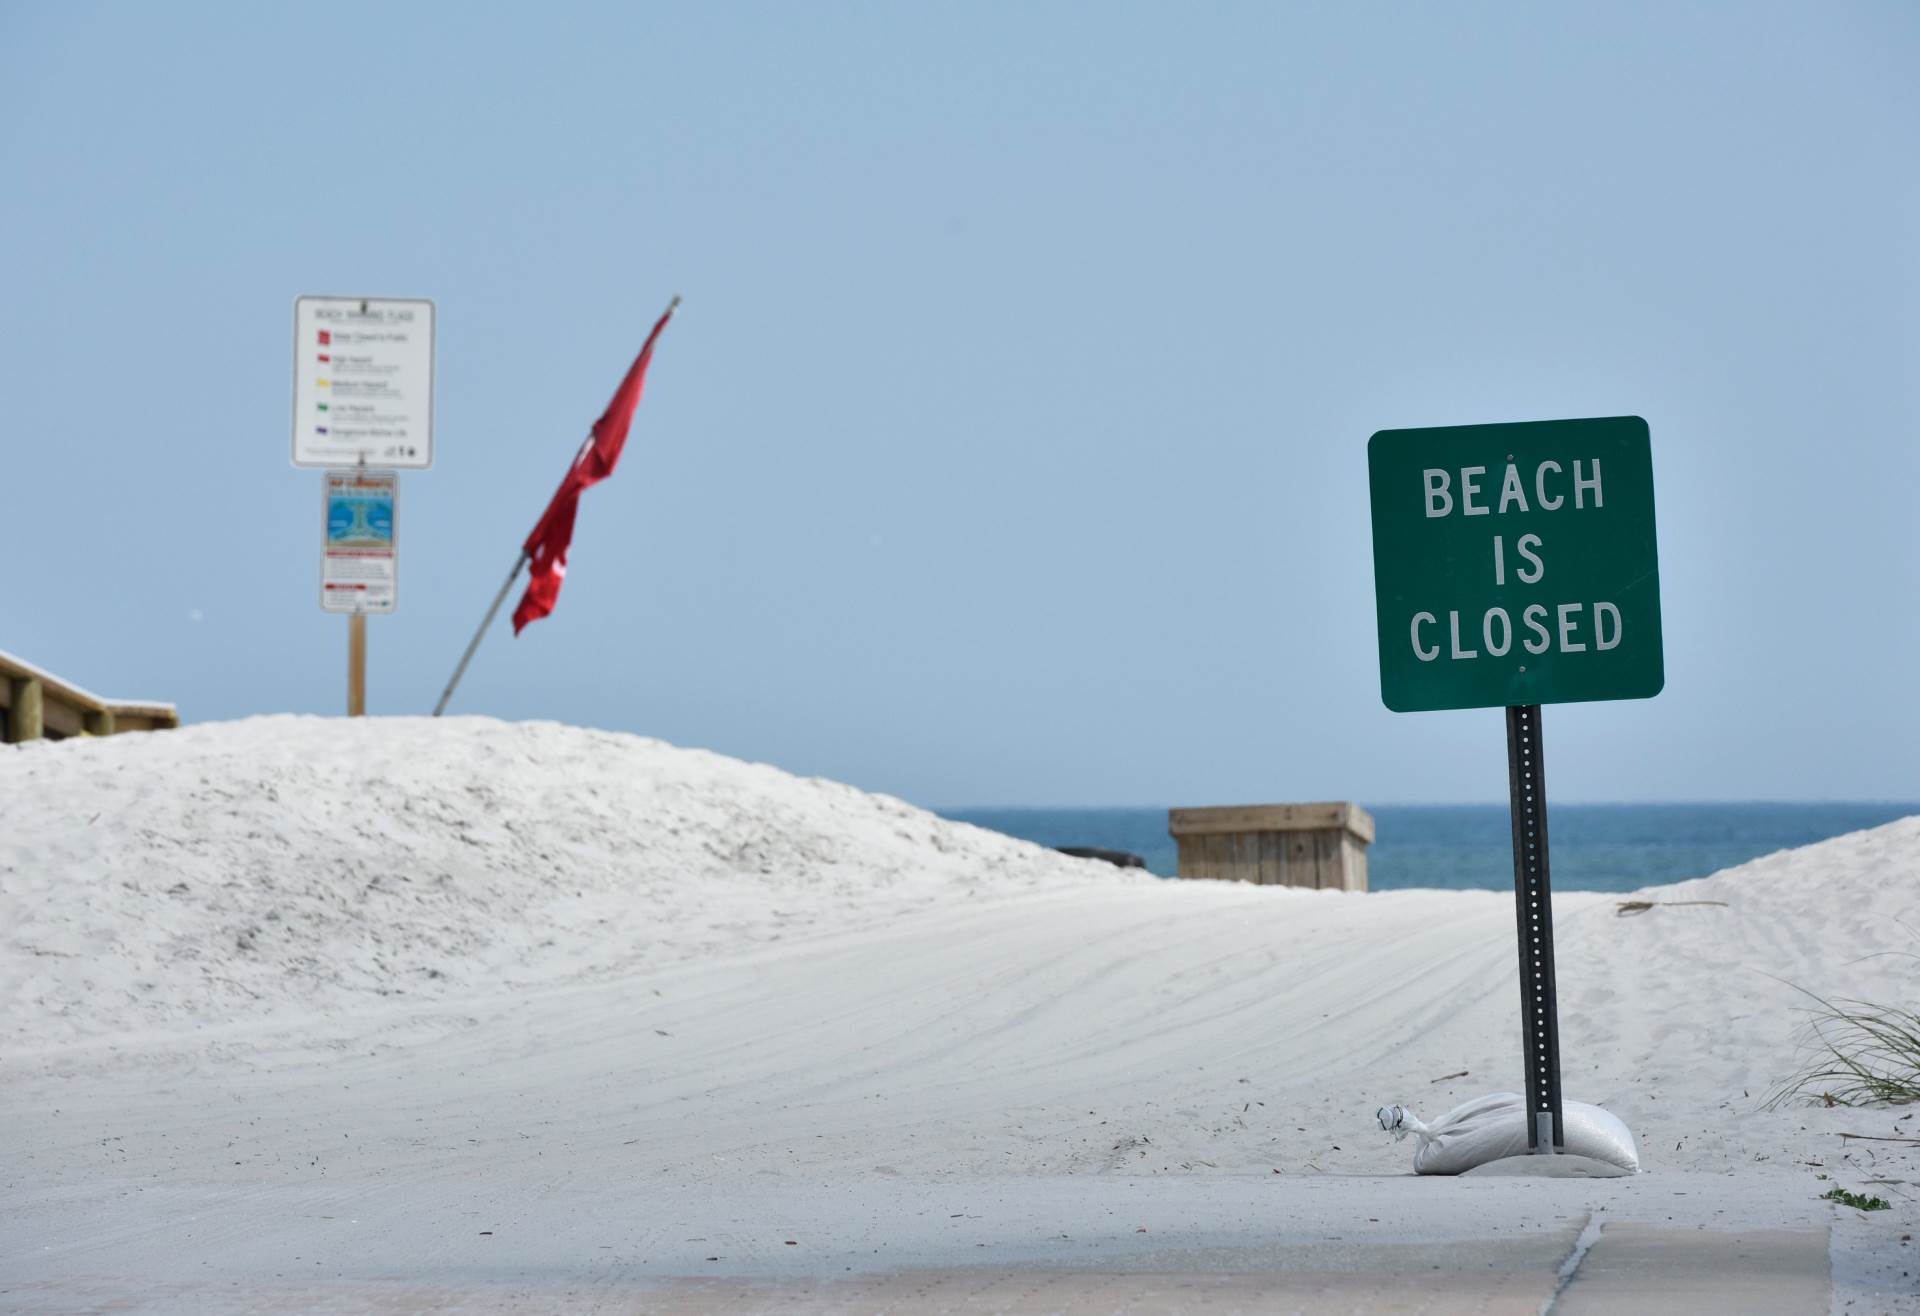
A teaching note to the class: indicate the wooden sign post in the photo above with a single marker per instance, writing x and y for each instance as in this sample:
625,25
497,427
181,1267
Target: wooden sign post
357,665
1515,566
362,392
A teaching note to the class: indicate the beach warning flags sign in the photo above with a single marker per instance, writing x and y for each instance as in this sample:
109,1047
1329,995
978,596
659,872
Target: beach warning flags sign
1515,565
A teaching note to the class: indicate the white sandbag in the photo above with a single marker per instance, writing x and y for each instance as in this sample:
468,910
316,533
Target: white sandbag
1494,1126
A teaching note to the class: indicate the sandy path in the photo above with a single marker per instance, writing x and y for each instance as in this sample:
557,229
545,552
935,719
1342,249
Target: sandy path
913,1049
963,1085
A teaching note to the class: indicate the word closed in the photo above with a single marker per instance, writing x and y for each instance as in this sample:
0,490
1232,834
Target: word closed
1515,564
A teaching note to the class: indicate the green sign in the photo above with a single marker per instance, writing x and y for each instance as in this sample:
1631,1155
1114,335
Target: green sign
1515,564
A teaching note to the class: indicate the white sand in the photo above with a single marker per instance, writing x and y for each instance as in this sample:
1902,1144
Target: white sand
628,1006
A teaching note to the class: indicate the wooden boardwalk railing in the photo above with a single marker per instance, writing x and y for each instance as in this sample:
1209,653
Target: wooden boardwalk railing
35,704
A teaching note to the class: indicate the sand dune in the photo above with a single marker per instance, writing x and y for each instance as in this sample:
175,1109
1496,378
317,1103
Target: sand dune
230,871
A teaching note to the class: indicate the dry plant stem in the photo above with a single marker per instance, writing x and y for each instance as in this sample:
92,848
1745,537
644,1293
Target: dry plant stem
1629,907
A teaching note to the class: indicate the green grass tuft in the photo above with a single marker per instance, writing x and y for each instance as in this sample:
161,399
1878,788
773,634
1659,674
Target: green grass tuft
1866,1054
1860,1201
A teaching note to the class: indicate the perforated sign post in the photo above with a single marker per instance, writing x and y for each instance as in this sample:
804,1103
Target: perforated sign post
1515,566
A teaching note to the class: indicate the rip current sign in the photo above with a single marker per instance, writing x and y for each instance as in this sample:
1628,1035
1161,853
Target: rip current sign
359,569
1515,564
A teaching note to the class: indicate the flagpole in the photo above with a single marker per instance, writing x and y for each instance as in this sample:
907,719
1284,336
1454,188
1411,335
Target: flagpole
494,610
521,561
474,643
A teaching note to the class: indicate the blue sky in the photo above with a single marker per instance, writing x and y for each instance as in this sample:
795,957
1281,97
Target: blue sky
1011,445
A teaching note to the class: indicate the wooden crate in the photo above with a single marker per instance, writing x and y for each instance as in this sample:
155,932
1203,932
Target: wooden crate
1309,845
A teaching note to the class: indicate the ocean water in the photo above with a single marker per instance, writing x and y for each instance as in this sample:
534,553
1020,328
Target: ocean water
1596,847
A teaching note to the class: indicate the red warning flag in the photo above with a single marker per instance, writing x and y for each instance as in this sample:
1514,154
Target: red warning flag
546,547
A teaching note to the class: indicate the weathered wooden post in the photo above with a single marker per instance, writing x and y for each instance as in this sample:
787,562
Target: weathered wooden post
40,706
26,720
1323,846
357,665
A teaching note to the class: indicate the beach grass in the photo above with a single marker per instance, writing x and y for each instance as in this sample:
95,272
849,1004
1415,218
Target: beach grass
1864,1054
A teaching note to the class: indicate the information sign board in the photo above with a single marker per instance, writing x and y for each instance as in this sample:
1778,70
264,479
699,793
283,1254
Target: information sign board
363,382
1515,564
359,566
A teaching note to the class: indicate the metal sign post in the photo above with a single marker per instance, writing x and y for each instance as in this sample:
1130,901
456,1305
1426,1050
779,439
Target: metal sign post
1533,911
1515,566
